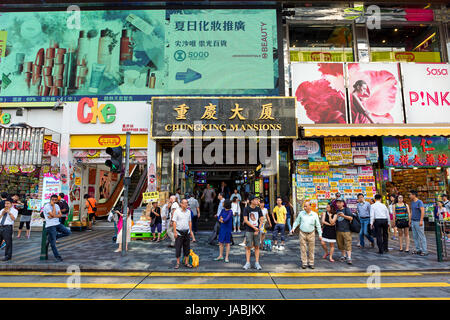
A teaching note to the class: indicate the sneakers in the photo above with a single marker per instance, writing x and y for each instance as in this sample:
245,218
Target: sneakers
311,266
246,266
303,266
258,266
59,259
281,248
349,261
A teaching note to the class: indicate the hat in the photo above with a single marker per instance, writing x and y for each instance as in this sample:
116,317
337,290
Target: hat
251,197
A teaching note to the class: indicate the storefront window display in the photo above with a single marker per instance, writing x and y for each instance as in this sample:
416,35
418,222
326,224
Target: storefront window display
322,43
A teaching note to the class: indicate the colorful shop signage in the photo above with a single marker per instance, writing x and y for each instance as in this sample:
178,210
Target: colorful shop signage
50,186
338,150
105,112
3,36
5,118
51,147
304,149
416,152
233,117
367,149
150,196
21,146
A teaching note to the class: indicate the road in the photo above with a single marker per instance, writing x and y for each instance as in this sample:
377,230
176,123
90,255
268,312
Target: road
238,285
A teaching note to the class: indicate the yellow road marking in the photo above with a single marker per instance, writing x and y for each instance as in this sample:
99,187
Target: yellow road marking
346,274
361,285
83,274
209,274
65,285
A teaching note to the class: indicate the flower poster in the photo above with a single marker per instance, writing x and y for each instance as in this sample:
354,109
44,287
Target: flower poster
320,92
375,93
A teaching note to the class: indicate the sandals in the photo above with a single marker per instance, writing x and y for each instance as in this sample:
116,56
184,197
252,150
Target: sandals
325,256
188,265
332,260
219,259
177,266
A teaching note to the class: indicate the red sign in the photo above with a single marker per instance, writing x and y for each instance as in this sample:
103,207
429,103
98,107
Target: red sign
109,140
15,145
51,147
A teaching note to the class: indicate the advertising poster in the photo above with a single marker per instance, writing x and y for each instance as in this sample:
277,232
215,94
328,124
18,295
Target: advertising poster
104,188
138,54
50,186
338,150
367,149
375,93
320,92
426,89
304,149
416,152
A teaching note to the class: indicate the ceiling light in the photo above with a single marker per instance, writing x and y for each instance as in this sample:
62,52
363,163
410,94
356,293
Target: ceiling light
395,29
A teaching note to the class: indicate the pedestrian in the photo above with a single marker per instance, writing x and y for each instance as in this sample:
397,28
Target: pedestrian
267,225
253,223
25,219
329,218
334,202
236,208
178,195
55,230
442,211
173,205
164,218
343,233
119,211
363,211
446,202
7,217
289,214
155,216
195,207
417,224
225,219
379,219
4,196
182,226
402,220
279,217
392,229
90,206
308,221
64,208
236,195
214,234
208,197
224,190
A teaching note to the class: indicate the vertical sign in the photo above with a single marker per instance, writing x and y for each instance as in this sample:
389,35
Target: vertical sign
3,35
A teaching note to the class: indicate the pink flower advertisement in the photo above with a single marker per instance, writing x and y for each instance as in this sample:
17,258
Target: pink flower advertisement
375,93
320,92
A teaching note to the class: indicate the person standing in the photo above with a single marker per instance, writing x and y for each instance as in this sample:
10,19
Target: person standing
7,217
55,229
343,234
363,210
267,225
224,190
392,228
279,217
25,218
64,208
289,213
236,208
236,195
446,202
91,208
417,224
155,215
3,196
208,197
215,232
225,219
182,226
308,221
379,218
195,207
329,232
334,202
178,195
164,218
253,222
173,205
402,219
120,211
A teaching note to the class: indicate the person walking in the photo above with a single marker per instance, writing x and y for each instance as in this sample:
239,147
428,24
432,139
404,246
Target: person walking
164,218
208,197
178,195
182,226
379,219
236,208
214,234
289,214
55,230
3,196
329,218
195,207
64,208
225,219
363,211
90,206
155,216
7,217
267,225
392,228
119,211
402,220
25,219
253,223
173,206
308,221
417,224
279,217
343,234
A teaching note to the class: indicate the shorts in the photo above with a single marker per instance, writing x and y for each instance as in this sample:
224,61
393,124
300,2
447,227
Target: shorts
157,226
91,216
344,240
252,240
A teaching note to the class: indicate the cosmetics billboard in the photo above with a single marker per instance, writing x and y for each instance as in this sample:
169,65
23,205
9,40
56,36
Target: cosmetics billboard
375,93
320,92
133,55
426,90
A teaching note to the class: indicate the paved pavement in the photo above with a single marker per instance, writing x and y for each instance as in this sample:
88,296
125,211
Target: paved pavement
94,250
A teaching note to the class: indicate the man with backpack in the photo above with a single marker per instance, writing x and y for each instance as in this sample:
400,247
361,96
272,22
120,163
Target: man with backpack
64,206
91,208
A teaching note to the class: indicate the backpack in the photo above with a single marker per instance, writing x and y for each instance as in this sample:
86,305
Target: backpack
193,259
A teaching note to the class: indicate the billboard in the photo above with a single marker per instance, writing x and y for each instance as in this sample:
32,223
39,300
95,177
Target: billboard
426,90
375,93
138,54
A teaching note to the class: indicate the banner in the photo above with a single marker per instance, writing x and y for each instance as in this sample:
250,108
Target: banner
426,89
416,152
320,92
150,197
138,54
374,93
304,149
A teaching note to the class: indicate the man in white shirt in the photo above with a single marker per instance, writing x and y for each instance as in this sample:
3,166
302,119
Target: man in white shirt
7,217
182,227
379,218
208,196
54,228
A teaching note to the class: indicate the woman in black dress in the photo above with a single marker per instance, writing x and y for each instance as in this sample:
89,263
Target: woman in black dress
329,231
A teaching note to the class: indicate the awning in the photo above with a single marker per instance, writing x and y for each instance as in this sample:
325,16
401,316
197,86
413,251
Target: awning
326,130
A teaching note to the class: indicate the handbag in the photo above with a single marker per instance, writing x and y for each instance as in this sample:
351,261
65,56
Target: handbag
355,224
93,208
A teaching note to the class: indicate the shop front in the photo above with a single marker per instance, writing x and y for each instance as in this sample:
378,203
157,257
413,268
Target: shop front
244,142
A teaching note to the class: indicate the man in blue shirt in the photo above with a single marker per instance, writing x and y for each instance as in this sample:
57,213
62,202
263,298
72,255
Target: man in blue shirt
417,224
363,209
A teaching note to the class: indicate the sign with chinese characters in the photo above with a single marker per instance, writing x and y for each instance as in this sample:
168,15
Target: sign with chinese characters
304,149
367,149
338,150
51,148
232,117
416,152
318,166
150,196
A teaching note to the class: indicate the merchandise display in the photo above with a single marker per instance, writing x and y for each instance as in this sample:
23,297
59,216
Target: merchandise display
21,183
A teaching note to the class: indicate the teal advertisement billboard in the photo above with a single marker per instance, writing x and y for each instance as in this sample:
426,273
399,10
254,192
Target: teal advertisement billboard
134,55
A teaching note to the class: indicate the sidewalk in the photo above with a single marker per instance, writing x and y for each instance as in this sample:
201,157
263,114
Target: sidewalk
94,251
